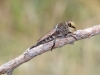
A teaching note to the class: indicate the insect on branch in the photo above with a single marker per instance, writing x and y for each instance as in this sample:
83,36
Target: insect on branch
30,53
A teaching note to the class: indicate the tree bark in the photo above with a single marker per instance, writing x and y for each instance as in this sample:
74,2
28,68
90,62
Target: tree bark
30,53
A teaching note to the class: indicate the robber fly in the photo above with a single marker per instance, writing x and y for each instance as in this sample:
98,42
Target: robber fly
60,30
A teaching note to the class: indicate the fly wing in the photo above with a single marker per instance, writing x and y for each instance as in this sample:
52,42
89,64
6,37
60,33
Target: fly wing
47,35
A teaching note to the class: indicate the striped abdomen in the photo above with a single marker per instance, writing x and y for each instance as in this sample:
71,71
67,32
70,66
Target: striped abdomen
48,39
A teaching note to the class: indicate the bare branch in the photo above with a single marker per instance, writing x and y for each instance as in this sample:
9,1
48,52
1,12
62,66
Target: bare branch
30,53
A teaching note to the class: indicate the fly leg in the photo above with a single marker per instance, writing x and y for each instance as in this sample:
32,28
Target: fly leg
55,37
53,44
72,35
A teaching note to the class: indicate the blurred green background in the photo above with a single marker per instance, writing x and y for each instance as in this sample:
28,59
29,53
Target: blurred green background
23,22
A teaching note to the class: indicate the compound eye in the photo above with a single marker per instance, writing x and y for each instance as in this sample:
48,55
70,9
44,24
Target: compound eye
69,23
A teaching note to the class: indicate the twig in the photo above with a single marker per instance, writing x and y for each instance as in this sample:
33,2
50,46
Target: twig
30,53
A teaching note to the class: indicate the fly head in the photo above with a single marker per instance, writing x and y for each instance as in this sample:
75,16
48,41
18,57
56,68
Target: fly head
71,24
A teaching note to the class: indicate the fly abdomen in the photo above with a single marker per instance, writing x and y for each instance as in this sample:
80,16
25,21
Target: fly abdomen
36,44
48,39
51,38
